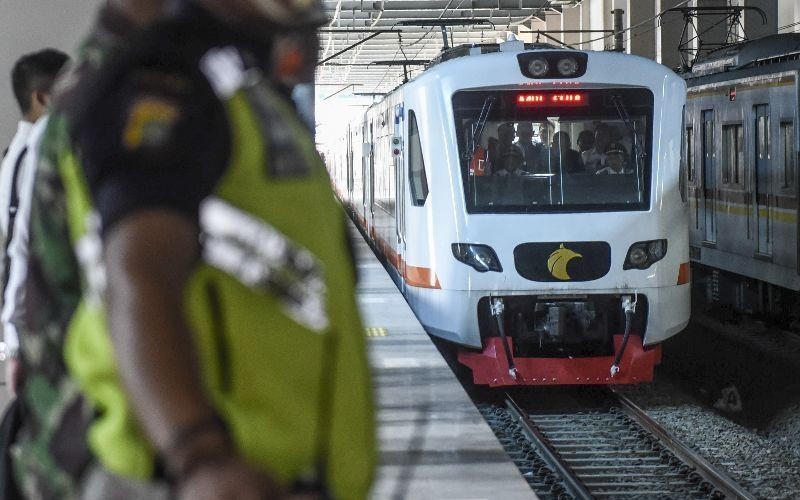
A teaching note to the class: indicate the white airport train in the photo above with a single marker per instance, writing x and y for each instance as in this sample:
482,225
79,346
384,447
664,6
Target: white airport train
545,264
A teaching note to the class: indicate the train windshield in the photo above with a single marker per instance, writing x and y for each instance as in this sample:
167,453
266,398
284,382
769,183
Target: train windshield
581,150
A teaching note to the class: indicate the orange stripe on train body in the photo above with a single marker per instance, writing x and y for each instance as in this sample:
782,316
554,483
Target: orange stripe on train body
421,277
684,274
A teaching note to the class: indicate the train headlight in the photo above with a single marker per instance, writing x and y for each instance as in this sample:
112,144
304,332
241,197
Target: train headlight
538,67
567,66
553,63
644,254
637,257
480,257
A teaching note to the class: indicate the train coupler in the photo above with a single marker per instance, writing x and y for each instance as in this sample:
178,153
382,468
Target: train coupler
629,309
497,309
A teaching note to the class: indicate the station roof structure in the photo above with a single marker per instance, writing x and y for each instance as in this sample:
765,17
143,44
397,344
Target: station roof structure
366,42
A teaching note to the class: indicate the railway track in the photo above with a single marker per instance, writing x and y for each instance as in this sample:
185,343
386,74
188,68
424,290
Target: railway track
608,448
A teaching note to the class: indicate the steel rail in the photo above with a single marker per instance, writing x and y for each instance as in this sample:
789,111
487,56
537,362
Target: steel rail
719,479
573,485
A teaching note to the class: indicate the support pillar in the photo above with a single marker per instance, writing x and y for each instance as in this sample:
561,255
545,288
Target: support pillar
597,21
712,29
641,40
571,20
527,34
585,24
789,16
753,26
668,34
553,20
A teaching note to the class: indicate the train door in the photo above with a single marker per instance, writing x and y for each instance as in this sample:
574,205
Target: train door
366,153
349,165
709,179
371,179
400,194
762,185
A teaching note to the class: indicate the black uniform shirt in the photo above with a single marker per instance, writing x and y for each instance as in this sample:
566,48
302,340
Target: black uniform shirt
156,135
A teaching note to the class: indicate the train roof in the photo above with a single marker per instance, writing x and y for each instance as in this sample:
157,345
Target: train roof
474,49
495,70
766,51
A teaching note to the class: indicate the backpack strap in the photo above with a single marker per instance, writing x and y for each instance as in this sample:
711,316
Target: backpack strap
13,206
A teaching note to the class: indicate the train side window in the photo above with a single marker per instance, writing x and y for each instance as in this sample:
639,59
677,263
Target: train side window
690,153
788,155
733,154
416,165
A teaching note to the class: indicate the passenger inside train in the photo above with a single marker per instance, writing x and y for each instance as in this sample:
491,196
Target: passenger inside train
505,157
616,160
561,155
531,150
594,158
585,141
531,165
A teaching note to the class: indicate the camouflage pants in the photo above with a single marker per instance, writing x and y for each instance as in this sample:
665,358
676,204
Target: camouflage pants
99,484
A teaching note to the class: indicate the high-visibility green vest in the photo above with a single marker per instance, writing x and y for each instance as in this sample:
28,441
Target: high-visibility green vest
271,306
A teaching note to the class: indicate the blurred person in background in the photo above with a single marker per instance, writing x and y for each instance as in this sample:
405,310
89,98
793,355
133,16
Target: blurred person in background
32,79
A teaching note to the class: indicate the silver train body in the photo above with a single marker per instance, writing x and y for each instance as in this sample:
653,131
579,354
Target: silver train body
538,271
742,127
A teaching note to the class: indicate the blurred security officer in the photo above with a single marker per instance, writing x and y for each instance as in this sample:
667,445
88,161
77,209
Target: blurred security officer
217,336
51,452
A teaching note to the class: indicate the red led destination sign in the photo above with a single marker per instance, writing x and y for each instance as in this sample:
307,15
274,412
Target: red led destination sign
553,99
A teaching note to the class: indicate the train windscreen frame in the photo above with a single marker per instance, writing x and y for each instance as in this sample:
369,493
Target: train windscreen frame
507,165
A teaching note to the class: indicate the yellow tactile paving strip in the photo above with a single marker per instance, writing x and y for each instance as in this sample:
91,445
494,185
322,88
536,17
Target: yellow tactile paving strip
377,332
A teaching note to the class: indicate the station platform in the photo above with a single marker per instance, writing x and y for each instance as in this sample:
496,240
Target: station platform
434,444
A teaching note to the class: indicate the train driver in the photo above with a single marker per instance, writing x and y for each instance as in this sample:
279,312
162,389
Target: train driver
616,160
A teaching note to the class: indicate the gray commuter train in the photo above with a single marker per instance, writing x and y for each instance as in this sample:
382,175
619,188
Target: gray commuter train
741,153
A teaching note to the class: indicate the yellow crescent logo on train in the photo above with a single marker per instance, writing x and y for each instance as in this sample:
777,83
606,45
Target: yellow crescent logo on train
558,260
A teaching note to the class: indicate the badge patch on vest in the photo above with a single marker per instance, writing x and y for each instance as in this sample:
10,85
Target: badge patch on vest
150,122
263,258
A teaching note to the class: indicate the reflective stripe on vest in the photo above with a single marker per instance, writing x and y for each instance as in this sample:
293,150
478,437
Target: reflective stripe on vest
259,256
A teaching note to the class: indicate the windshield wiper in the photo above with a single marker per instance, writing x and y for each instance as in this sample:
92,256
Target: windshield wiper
479,125
630,124
638,152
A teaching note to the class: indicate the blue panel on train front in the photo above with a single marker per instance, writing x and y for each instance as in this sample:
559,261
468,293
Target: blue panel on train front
563,260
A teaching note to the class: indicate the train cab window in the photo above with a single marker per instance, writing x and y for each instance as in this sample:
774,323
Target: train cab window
553,151
416,165
732,154
788,155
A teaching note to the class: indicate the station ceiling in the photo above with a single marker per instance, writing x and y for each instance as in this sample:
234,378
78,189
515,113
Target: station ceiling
365,42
